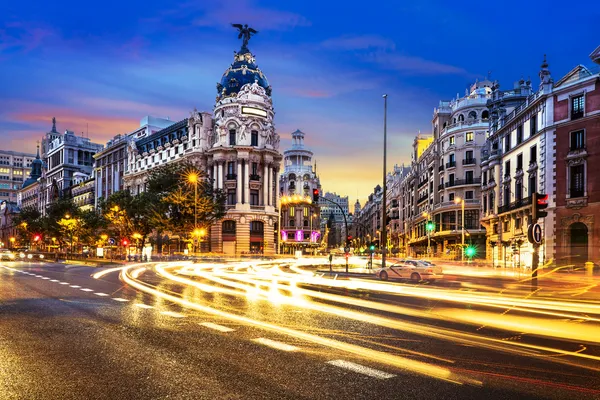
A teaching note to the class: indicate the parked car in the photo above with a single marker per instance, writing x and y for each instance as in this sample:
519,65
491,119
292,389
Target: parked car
414,270
7,255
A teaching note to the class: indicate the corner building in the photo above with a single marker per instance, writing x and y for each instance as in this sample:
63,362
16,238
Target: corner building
244,159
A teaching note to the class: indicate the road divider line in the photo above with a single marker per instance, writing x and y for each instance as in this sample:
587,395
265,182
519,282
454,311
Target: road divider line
86,290
101,294
217,327
361,369
45,277
75,286
275,344
119,299
64,283
142,305
54,280
172,314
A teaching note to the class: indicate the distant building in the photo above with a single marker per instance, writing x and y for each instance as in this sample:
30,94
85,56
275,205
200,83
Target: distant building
64,155
300,217
82,191
8,210
28,196
14,167
328,209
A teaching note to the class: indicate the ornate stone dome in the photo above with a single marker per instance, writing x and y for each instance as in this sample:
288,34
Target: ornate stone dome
243,70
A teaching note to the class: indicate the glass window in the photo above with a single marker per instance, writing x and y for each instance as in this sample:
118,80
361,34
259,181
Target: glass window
469,177
451,140
469,137
519,134
232,137
532,154
533,125
254,138
253,197
469,195
577,181
577,140
532,184
577,107
231,197
507,142
507,168
520,161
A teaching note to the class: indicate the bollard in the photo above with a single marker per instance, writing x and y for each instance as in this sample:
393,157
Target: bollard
589,268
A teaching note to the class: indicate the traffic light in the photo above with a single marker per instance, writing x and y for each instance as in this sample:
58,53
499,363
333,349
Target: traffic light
372,247
470,251
37,238
430,226
540,203
125,242
315,195
349,238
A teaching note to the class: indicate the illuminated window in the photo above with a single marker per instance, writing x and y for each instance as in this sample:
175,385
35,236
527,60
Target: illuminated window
292,211
451,140
469,137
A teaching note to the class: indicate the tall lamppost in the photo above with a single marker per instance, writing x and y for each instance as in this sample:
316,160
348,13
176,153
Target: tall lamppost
384,200
199,233
458,200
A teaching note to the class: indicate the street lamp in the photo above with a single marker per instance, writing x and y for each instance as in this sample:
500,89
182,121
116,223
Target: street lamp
12,241
137,238
192,178
199,233
461,201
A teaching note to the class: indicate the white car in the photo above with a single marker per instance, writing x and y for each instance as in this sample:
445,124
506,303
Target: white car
410,269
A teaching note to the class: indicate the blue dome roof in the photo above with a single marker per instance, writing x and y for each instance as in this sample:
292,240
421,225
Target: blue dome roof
36,170
243,70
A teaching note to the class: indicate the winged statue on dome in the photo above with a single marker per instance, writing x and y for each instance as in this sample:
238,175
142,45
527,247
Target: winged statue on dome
244,33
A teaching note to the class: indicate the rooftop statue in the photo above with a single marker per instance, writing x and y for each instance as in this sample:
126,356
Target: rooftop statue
244,33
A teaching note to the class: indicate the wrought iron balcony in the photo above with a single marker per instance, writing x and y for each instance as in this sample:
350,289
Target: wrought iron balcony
469,161
255,177
451,164
460,182
231,177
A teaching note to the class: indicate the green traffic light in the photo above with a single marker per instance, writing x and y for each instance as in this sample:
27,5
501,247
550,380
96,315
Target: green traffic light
430,226
470,251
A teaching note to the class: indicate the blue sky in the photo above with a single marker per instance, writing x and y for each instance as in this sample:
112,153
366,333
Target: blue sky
103,66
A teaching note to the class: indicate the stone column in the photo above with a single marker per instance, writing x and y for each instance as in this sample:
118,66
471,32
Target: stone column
239,182
246,182
276,194
215,175
265,182
269,188
220,174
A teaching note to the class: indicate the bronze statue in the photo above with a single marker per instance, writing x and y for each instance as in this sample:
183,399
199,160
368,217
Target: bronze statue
245,33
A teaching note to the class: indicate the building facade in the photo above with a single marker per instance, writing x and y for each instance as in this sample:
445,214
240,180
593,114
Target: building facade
575,192
110,164
237,147
64,155
300,216
28,195
14,169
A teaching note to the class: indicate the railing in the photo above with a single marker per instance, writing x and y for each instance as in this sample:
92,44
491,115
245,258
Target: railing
441,168
421,184
451,164
469,161
231,177
440,186
460,182
422,198
515,205
254,177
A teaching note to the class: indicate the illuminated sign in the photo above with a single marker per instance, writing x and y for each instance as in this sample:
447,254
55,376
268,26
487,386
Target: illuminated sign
299,236
254,111
284,236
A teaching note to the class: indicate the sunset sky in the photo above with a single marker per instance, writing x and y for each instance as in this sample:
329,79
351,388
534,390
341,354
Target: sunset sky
102,66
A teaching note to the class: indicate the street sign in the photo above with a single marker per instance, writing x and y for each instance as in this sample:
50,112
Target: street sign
346,249
534,234
112,241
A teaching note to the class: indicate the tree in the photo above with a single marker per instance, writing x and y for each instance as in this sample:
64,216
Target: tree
29,222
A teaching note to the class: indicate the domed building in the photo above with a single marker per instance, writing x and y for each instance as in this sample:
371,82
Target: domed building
244,160
28,195
300,217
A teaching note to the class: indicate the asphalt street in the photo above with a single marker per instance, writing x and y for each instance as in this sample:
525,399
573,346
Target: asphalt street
67,335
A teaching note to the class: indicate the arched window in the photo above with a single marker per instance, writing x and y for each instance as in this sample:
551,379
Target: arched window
485,114
256,227
472,115
229,227
305,223
232,137
461,118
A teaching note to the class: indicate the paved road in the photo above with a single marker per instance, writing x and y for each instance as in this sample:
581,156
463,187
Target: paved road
66,335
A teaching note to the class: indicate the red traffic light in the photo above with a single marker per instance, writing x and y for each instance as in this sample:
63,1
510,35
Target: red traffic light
37,238
315,195
542,199
125,242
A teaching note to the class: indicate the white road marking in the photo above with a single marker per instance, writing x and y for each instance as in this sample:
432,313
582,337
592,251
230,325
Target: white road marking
53,280
64,283
45,277
87,290
361,369
101,294
172,314
275,344
217,327
142,305
120,299
75,286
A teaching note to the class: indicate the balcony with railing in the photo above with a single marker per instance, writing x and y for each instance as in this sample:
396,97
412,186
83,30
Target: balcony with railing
254,177
462,182
440,186
423,198
515,205
231,177
441,168
451,164
421,184
469,161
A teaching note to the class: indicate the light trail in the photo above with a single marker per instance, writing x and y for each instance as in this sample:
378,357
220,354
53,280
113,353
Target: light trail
377,356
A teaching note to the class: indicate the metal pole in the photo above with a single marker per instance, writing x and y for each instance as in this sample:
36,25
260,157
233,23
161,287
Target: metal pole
384,205
195,216
462,253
